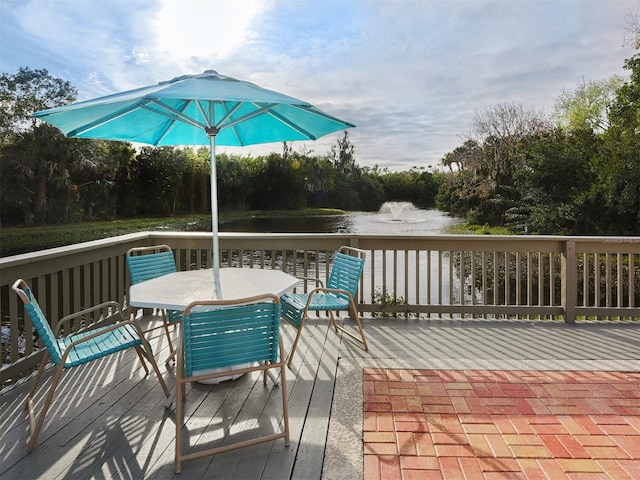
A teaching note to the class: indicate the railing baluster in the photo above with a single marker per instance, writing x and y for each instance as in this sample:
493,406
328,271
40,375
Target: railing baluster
585,279
631,283
394,256
619,281
428,279
507,279
485,281
608,279
66,287
529,281
416,276
75,277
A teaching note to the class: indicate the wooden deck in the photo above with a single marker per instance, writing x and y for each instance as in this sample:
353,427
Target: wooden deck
109,420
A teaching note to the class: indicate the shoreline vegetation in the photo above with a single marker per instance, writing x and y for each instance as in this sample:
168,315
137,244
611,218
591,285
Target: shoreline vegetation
15,240
18,239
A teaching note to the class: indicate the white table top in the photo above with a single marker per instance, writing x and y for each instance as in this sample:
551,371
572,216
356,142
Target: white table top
177,290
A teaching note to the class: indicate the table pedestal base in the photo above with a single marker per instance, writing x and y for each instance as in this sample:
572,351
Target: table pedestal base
217,380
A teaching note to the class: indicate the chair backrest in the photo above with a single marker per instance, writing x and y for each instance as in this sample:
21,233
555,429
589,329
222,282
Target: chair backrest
145,263
38,319
226,333
346,271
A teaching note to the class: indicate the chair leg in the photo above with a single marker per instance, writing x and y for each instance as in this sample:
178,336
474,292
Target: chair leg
36,380
179,422
166,331
333,320
141,355
181,381
297,339
285,403
36,426
356,317
151,359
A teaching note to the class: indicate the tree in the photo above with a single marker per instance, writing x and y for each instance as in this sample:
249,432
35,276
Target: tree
32,154
501,128
482,186
319,179
415,186
276,185
342,155
616,190
25,93
158,179
588,106
632,31
466,156
554,172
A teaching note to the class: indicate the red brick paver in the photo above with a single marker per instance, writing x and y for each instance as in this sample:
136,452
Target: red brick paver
501,424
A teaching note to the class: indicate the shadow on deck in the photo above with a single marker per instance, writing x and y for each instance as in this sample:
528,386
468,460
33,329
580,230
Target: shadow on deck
110,421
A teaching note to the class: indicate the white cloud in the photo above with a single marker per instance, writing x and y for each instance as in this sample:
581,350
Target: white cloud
204,30
410,74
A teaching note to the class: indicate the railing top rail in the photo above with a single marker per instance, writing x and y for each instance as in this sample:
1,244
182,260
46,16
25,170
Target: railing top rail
480,242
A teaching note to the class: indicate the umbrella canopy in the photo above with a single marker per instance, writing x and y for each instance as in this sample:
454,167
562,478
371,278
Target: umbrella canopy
204,109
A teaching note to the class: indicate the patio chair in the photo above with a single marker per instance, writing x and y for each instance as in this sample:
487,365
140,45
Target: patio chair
338,295
78,348
145,263
220,338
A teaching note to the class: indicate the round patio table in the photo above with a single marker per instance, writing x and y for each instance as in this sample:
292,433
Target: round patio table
175,291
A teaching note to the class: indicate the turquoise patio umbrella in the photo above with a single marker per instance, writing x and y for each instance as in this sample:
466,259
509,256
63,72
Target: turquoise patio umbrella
204,109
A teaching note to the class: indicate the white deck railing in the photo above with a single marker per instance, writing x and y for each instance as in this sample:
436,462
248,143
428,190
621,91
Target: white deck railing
449,276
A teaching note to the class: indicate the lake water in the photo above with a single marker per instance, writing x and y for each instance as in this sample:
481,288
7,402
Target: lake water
400,218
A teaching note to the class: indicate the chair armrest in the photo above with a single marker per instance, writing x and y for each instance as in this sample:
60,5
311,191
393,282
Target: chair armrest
116,310
104,330
329,290
313,279
326,290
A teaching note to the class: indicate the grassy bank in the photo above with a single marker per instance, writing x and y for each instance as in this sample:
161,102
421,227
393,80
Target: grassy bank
472,229
15,240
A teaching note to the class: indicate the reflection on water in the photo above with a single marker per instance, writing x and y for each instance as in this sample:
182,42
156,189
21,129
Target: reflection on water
400,218
397,218
327,224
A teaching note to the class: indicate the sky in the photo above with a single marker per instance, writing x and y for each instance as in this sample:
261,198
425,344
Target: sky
410,74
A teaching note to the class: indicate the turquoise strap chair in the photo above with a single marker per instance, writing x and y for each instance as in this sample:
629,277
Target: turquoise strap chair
145,263
79,348
226,338
338,295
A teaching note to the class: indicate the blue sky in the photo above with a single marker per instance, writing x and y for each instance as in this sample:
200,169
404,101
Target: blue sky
410,74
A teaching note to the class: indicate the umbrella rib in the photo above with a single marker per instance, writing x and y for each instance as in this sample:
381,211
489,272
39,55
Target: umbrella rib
228,114
255,113
207,121
102,120
165,131
293,126
311,109
172,113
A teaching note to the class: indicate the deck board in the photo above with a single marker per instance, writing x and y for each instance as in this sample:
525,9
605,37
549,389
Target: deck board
311,446
109,420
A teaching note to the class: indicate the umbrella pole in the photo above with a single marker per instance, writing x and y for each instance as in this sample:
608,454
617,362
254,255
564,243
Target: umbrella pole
214,217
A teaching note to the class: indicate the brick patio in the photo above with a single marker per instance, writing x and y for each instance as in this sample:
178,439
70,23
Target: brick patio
480,424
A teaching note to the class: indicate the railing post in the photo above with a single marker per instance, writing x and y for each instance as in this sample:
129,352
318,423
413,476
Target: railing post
569,276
